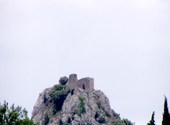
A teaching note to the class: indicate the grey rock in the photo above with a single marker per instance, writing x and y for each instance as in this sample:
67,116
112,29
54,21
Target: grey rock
79,108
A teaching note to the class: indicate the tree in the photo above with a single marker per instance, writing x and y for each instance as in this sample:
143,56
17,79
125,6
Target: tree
63,80
152,121
13,115
166,116
122,122
127,122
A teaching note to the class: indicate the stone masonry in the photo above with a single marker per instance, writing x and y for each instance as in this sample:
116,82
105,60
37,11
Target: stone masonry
86,84
72,81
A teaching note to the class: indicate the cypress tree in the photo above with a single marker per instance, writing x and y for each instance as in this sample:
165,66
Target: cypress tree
166,116
152,121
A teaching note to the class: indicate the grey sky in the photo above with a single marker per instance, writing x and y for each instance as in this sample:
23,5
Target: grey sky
124,45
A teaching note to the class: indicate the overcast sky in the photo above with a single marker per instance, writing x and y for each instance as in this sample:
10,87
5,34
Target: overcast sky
123,44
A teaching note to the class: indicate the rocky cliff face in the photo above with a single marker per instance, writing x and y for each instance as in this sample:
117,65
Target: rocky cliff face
62,106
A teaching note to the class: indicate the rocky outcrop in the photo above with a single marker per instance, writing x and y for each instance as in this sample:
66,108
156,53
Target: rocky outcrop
62,106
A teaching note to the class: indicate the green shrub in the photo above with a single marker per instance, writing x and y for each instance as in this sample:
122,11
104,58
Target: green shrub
63,80
46,119
58,95
118,122
25,122
61,122
107,114
122,122
101,119
81,106
58,87
127,122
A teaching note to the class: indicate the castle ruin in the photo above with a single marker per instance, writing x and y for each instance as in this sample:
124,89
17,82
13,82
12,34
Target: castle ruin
86,84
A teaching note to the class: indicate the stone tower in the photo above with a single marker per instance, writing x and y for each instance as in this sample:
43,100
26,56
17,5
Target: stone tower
72,81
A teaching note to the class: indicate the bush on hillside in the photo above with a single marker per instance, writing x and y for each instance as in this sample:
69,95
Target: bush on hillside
58,95
81,107
63,80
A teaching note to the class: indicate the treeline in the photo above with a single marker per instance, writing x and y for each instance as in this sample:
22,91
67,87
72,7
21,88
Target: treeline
17,116
11,115
165,116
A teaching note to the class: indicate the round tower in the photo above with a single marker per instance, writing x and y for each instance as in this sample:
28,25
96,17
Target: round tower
72,81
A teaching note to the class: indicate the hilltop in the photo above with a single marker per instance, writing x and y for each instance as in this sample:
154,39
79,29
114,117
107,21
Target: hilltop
75,102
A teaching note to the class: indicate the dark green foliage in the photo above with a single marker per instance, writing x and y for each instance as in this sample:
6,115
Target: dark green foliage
101,120
46,119
127,122
58,95
54,110
26,122
107,114
115,115
81,107
13,115
152,121
63,80
61,122
118,122
122,122
166,116
58,87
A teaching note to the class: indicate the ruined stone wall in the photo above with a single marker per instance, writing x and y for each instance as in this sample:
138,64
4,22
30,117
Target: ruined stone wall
86,84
